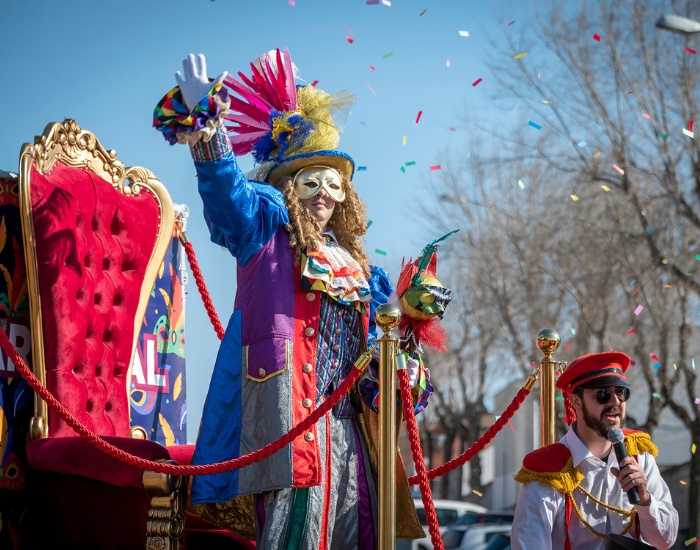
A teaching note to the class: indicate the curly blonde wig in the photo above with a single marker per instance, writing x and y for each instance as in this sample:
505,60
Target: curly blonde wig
349,222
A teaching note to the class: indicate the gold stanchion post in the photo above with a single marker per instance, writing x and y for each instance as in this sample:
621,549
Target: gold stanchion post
387,317
547,341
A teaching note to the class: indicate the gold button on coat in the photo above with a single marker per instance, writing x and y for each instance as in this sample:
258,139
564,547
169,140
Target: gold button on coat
306,402
307,367
309,331
309,436
336,347
339,331
262,372
310,296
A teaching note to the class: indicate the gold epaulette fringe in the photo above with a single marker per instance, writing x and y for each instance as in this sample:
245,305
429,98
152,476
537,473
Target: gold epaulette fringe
564,481
640,442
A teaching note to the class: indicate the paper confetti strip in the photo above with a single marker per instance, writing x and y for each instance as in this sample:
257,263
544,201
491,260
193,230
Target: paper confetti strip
521,55
435,168
350,39
420,113
688,133
596,37
639,309
476,82
371,90
463,33
691,51
620,170
380,252
631,331
387,55
534,125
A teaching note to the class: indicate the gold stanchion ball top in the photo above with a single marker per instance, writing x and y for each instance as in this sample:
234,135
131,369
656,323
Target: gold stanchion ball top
548,340
387,317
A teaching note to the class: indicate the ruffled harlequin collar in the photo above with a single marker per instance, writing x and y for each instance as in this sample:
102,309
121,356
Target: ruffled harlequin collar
331,269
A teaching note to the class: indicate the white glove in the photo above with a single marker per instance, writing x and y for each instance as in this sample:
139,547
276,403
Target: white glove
195,85
412,368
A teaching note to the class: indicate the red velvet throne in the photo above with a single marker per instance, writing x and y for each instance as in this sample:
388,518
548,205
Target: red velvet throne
95,235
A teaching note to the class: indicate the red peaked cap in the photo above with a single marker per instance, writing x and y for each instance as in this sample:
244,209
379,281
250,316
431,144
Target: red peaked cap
595,370
408,270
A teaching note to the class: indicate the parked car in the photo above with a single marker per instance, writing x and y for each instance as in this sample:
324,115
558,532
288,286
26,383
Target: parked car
448,512
471,518
474,537
499,542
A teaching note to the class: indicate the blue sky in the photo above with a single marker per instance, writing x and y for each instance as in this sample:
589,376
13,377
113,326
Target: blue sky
107,64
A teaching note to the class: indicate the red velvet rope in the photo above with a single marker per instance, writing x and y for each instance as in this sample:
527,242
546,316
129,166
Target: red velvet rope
417,452
161,467
484,440
206,298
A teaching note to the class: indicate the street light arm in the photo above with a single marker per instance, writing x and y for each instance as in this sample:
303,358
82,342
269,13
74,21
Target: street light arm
678,24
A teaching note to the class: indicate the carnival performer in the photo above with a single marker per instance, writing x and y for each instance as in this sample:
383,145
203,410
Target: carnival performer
575,493
303,311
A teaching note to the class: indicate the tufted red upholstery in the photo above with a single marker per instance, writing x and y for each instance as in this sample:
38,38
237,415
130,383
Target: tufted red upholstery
93,245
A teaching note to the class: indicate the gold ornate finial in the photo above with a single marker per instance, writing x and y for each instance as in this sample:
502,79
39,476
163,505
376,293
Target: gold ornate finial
548,341
387,317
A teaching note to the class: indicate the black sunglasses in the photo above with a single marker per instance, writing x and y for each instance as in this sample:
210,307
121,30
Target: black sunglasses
603,396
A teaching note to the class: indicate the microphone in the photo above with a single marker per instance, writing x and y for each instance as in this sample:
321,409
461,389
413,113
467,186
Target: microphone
617,438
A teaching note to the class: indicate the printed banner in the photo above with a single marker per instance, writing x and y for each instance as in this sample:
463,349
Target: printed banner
16,397
157,392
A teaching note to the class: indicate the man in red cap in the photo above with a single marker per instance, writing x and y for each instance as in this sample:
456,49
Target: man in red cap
575,492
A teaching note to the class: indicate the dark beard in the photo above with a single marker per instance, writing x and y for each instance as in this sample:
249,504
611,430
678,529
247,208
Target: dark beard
599,425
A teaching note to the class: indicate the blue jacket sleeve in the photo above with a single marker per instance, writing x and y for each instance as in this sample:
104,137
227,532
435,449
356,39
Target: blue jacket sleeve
241,215
381,288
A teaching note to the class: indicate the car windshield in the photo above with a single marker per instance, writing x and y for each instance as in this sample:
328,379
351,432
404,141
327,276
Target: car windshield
470,518
445,516
453,538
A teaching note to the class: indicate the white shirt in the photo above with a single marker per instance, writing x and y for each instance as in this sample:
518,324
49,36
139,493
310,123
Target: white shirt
540,520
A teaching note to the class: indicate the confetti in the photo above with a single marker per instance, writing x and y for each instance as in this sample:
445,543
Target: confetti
463,33
683,482
361,168
692,448
656,395
573,331
435,168
387,55
372,67
566,346
369,222
690,124
559,398
657,366
477,493
690,50
574,197
605,188
314,83
411,163
447,64
664,135
638,310
371,90
512,429
631,331
616,167
521,184
596,37
646,115
421,13
386,3
404,141
692,363
476,82
653,356
291,3
521,55
372,2
380,252
596,154
509,24
534,125
688,133
453,129
420,113
403,169
581,144
350,39
635,292
691,541
668,286
349,29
